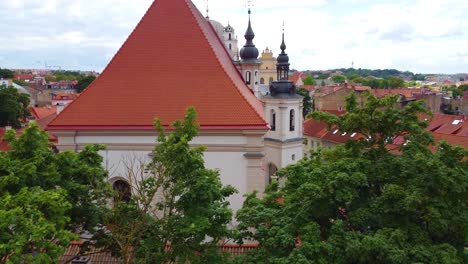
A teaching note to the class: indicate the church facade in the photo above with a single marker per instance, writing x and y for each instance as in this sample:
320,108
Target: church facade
248,135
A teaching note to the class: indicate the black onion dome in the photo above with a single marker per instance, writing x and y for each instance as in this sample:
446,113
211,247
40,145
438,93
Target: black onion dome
283,58
249,51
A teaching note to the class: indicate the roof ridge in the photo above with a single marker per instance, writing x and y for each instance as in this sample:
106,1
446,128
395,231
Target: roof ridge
191,7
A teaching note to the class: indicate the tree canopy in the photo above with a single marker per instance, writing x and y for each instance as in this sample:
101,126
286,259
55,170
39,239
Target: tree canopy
363,203
13,107
6,74
338,78
308,81
46,198
84,83
307,101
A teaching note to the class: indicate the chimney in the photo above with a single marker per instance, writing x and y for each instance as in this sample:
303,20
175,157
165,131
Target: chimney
60,108
81,260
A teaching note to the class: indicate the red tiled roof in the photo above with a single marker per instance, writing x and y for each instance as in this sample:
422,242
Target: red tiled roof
65,96
449,125
296,76
309,88
172,48
453,129
408,93
42,112
24,77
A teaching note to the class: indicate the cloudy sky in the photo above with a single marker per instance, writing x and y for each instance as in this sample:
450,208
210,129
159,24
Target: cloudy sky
428,36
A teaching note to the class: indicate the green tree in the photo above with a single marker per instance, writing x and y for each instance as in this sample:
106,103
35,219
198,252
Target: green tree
6,74
177,202
362,203
395,82
21,83
307,102
308,81
84,83
46,198
13,107
338,78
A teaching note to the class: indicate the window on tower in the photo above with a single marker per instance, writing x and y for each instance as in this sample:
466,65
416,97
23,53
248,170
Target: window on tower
291,120
230,37
248,77
230,46
273,120
262,80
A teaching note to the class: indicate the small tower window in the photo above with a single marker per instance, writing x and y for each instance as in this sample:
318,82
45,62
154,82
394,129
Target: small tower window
230,46
291,120
262,80
230,37
248,77
273,120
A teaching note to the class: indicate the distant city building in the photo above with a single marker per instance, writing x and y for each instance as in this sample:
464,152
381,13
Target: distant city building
268,67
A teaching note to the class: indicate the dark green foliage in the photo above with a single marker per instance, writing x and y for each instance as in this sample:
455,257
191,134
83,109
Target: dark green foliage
307,102
13,107
45,197
360,202
84,83
190,205
6,74
456,91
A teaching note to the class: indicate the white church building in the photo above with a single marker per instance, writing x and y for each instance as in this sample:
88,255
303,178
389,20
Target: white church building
175,59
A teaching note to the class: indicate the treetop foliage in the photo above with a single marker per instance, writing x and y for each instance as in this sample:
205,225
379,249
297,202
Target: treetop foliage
362,203
13,107
46,198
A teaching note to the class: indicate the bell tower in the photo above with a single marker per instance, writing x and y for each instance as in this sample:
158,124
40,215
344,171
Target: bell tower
249,64
283,110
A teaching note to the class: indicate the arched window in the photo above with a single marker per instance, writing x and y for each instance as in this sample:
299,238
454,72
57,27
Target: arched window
230,46
123,191
273,120
230,36
262,80
248,77
256,78
272,169
291,120
271,80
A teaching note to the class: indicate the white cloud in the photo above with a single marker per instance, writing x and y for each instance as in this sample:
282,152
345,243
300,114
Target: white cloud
417,35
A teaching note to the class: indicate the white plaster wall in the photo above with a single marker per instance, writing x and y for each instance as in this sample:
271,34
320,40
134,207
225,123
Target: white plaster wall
232,167
233,171
137,139
232,164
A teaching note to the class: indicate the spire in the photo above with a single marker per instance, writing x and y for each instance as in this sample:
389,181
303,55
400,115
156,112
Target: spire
207,9
249,52
283,86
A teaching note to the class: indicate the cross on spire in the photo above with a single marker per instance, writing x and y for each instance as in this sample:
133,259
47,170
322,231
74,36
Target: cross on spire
207,9
249,6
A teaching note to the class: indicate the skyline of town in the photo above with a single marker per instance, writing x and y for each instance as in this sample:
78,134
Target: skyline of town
428,38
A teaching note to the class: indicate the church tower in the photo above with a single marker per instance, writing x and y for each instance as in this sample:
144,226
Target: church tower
283,110
249,64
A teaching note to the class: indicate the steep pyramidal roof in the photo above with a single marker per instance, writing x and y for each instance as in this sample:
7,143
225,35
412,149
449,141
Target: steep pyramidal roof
172,60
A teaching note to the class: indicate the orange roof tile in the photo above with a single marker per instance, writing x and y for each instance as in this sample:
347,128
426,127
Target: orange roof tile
42,112
172,47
